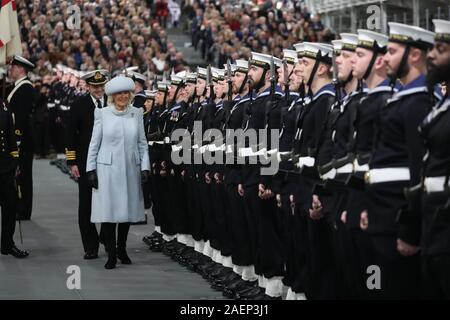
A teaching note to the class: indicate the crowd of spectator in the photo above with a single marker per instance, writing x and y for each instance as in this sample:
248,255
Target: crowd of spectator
106,34
233,29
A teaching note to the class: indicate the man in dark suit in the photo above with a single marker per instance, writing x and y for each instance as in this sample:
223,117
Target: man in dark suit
77,143
21,101
9,155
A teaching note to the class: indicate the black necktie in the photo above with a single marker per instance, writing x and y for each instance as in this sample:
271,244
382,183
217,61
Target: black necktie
99,104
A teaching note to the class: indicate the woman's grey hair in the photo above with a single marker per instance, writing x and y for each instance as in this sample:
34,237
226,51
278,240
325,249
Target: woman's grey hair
111,101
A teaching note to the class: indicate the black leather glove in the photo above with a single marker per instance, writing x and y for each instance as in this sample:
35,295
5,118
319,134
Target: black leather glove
145,176
92,179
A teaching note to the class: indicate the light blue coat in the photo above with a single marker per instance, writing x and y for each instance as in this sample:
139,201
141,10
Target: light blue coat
119,152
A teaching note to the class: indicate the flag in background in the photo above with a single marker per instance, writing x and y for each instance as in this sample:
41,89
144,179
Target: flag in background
10,43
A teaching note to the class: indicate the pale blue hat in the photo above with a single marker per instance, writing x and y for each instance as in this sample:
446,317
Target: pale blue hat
119,84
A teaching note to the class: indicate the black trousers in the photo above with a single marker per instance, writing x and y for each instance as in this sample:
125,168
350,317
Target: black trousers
206,206
253,207
241,247
109,231
400,275
25,182
321,266
216,216
294,244
8,201
178,211
166,218
270,239
223,218
356,255
89,235
197,221
436,276
155,193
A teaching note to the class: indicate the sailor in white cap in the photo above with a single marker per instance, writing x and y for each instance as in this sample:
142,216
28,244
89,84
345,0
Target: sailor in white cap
334,160
139,82
265,112
79,131
174,212
286,179
242,255
435,241
396,164
240,78
149,106
343,62
117,166
21,101
290,60
154,126
315,68
367,66
298,71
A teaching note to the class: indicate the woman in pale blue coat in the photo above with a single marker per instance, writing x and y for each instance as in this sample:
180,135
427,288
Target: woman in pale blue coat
117,165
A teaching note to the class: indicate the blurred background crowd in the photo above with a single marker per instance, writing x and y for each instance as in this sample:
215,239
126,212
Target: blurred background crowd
232,29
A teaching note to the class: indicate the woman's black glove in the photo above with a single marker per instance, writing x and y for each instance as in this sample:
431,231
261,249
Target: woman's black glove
92,179
145,176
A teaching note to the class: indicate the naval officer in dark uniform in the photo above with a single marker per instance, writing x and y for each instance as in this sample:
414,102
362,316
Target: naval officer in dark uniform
77,144
9,155
21,100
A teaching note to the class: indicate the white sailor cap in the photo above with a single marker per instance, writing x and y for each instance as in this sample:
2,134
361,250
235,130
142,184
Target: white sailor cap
96,77
411,35
129,71
318,51
337,46
150,94
217,74
233,68
242,66
442,29
21,61
119,84
201,73
299,48
263,60
290,56
371,40
349,41
178,79
191,77
163,86
136,76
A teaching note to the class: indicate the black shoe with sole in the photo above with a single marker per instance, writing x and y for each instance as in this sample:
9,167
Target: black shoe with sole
15,252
